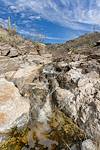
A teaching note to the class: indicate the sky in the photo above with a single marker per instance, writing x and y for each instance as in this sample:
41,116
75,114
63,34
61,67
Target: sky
53,21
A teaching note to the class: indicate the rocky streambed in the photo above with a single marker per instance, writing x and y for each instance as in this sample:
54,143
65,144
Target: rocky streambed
48,103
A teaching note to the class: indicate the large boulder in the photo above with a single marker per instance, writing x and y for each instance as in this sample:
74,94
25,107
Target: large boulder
88,103
24,75
14,109
7,50
65,99
7,64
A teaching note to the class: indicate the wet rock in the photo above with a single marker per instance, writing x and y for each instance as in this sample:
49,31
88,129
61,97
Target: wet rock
88,145
39,100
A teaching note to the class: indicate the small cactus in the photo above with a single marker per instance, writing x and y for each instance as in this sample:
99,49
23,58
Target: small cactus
12,31
9,24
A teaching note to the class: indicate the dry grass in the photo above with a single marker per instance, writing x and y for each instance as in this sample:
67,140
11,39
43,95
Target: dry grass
10,37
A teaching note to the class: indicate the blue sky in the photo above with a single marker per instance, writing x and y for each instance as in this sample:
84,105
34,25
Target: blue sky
58,20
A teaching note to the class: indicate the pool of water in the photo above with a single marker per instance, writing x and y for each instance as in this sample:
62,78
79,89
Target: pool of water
59,132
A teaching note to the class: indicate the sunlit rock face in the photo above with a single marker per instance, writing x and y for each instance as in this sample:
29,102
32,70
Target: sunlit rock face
78,97
14,109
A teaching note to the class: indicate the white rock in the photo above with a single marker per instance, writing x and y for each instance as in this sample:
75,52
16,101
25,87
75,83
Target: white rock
24,75
14,109
62,64
75,74
88,145
75,64
83,101
66,101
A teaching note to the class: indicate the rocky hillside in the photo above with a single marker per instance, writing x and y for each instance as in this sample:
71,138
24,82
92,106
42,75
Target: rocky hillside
49,95
83,44
13,45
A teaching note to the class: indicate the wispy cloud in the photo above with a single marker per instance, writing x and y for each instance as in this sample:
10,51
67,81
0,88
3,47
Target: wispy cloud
98,3
35,36
76,14
3,22
31,17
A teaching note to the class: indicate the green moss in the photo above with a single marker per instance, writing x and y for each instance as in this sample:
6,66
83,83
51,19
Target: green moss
65,130
62,133
16,140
